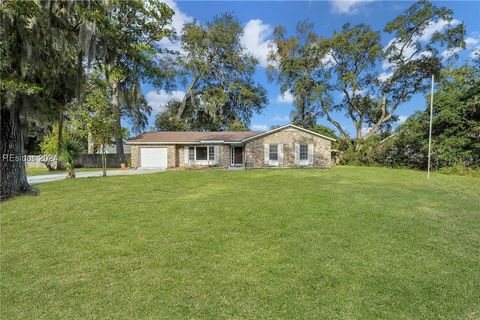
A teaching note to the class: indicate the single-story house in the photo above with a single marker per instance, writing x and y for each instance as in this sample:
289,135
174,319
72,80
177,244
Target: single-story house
287,146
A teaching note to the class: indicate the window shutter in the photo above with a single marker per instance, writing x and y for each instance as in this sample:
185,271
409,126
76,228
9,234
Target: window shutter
310,153
216,153
280,154
267,155
297,153
185,149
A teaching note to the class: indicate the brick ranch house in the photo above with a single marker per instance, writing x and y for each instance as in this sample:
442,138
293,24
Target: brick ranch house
287,146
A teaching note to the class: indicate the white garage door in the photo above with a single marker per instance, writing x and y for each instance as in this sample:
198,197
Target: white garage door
153,158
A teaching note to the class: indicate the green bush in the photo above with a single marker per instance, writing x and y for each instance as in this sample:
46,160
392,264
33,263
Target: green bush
455,134
460,170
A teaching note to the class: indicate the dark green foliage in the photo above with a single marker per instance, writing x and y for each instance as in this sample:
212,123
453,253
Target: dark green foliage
296,68
219,74
167,121
236,125
326,131
70,149
456,127
317,70
130,38
40,70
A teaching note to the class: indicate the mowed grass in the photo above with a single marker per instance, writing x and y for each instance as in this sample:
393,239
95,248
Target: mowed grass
43,171
344,243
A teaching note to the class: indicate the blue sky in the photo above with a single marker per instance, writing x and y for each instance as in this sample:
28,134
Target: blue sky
260,17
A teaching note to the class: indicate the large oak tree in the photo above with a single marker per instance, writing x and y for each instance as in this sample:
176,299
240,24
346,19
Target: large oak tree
352,74
218,73
42,50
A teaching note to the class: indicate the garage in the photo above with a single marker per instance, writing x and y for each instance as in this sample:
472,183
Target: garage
153,158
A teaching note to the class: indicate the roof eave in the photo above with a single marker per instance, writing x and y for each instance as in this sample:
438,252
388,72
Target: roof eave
133,142
284,127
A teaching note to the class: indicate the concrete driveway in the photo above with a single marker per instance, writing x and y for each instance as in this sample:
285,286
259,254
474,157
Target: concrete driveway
60,176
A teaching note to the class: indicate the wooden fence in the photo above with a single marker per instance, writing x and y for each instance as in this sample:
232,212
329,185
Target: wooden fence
84,161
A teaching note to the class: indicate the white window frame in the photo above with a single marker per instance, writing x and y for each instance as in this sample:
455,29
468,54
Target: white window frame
190,154
273,162
210,148
302,162
207,162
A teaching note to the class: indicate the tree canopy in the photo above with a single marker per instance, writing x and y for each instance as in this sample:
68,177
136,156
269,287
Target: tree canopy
343,73
45,50
218,73
456,126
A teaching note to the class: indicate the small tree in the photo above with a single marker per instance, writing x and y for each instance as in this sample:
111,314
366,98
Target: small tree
94,117
70,150
50,145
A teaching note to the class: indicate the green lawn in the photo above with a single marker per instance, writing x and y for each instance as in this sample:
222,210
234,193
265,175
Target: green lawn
42,171
345,243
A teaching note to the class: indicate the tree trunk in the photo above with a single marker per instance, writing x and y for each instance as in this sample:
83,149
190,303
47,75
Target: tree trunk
187,96
359,140
59,139
90,144
117,115
104,161
358,145
13,178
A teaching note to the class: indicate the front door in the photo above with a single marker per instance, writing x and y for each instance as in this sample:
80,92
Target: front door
237,155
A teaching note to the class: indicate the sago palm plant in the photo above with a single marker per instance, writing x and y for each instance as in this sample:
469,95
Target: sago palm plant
70,149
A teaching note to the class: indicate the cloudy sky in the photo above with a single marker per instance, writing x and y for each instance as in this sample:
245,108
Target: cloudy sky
259,19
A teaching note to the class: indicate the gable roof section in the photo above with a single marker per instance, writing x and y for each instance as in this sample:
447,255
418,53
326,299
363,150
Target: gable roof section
262,134
185,137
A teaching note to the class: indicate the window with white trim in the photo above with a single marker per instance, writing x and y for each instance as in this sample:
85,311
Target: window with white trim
201,154
303,152
211,153
191,153
273,152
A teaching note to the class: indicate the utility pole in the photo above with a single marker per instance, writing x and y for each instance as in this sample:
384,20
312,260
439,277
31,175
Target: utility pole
430,129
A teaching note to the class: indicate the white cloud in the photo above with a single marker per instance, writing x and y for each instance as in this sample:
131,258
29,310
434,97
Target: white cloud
436,26
347,6
427,33
450,52
408,52
281,119
360,92
328,60
255,40
384,76
365,130
158,100
259,127
178,20
285,98
475,53
402,119
471,42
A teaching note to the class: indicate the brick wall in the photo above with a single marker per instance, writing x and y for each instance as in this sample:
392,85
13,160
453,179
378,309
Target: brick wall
288,137
223,157
135,154
255,157
176,155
